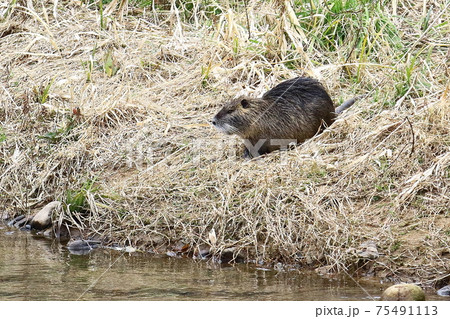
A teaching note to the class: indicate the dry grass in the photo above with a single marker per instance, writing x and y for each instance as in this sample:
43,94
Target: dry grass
123,139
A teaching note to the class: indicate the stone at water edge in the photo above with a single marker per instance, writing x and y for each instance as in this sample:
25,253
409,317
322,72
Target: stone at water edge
15,220
48,233
4,215
22,223
368,250
82,247
43,218
403,292
444,291
204,251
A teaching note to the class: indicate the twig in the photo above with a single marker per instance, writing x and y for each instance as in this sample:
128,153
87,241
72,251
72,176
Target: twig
404,146
413,137
248,21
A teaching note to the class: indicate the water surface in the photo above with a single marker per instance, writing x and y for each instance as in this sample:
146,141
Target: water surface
34,268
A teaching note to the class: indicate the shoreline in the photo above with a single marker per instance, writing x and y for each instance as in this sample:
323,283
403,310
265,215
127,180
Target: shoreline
382,283
76,243
109,116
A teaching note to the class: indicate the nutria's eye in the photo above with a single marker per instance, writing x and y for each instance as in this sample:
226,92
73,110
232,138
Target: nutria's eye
244,103
230,111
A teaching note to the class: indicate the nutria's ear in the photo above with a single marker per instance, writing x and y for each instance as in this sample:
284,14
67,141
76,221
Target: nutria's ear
245,103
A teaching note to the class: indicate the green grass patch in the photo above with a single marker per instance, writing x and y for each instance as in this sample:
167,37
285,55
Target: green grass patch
57,135
396,246
41,93
2,135
110,65
76,200
362,27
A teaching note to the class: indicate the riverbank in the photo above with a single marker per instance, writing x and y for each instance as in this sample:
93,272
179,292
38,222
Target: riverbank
108,114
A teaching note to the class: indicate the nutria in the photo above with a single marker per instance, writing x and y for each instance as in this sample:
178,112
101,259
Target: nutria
291,112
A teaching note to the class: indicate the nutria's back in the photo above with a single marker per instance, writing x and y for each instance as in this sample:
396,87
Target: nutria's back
294,110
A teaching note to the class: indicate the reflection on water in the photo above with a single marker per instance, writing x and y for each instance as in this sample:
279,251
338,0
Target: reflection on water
32,268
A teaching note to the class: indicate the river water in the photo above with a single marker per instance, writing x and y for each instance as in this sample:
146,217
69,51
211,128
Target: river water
34,268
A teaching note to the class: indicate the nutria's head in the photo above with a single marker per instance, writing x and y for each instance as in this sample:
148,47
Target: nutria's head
236,116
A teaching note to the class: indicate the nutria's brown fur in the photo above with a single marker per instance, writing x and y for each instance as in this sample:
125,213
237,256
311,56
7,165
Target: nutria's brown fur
291,112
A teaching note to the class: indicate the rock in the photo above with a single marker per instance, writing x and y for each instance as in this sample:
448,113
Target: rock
25,228
230,255
5,215
278,267
48,233
204,251
80,252
324,270
82,247
130,249
21,223
368,250
403,292
444,291
82,244
43,218
171,253
15,220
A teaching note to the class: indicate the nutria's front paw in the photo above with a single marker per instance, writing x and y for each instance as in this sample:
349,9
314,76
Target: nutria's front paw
246,154
249,155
